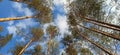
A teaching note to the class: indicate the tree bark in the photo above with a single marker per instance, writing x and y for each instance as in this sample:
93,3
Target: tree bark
103,33
49,43
25,46
15,18
102,48
92,42
103,24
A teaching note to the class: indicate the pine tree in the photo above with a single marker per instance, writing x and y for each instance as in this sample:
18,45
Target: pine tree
86,22
37,34
52,31
80,17
5,40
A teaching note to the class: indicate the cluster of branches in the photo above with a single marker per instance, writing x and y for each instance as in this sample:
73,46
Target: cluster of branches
82,12
80,15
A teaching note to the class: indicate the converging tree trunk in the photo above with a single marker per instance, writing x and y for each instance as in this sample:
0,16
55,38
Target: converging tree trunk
15,18
23,49
99,46
103,33
107,25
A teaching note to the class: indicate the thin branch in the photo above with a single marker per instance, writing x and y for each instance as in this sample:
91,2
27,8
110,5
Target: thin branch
15,18
25,46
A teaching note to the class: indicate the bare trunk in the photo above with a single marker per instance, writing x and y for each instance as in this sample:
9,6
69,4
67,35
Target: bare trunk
103,24
15,18
25,46
103,33
49,44
48,51
99,46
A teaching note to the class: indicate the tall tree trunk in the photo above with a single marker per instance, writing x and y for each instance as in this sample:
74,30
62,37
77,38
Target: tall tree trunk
49,43
15,18
92,42
25,46
99,46
103,33
48,50
103,24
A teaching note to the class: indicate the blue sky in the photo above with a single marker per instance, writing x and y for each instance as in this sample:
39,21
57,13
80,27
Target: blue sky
13,9
6,10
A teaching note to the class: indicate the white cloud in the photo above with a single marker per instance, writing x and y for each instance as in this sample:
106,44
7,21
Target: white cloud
10,22
59,2
26,23
22,23
64,3
61,19
27,11
19,7
62,24
12,29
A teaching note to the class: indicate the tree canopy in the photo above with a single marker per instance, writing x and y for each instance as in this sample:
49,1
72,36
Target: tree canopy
91,32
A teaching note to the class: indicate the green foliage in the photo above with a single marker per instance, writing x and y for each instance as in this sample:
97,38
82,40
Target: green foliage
37,50
37,33
71,50
1,28
43,12
67,40
71,20
17,49
4,40
87,8
85,51
52,30
52,47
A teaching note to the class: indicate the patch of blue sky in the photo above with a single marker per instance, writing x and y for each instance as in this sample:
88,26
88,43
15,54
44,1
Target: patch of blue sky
58,10
8,46
4,30
7,10
60,20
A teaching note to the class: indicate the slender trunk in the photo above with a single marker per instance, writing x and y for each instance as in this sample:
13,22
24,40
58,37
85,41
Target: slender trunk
92,42
103,33
100,23
99,46
15,18
25,46
103,24
49,44
48,51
